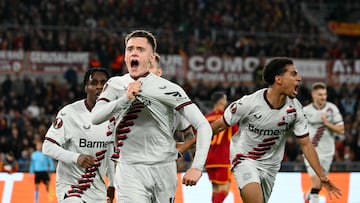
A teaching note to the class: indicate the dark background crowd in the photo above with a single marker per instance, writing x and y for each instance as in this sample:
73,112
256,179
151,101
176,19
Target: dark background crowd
239,28
243,28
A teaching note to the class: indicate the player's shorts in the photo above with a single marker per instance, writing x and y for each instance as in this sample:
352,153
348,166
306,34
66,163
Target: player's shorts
219,175
146,183
248,171
42,176
325,163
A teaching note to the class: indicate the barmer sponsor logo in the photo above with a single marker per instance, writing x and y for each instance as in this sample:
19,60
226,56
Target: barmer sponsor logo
269,132
93,144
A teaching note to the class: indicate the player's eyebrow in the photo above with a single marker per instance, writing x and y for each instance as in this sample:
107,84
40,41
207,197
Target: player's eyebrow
294,72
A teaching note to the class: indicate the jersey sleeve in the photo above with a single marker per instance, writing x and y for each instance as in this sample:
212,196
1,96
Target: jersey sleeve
57,136
236,111
182,122
204,133
57,133
338,119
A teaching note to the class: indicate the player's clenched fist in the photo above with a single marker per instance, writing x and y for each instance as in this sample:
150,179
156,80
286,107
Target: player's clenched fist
192,176
133,89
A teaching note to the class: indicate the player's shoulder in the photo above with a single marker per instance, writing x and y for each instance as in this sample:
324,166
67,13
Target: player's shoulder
308,106
254,98
245,102
162,86
118,81
331,105
162,81
295,102
69,109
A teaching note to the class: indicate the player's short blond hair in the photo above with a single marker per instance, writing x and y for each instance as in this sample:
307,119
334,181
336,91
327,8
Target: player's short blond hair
318,85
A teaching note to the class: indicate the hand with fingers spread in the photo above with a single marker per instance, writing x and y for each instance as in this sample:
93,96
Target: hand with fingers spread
331,188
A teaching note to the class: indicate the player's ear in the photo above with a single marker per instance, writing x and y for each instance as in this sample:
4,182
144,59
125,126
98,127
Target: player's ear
152,58
278,79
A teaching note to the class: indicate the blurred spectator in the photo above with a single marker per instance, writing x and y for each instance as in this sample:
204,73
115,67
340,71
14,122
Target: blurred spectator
9,164
257,74
94,60
33,109
71,77
117,64
6,85
347,104
348,154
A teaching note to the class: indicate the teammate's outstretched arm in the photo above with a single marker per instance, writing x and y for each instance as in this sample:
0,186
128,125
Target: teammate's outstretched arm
312,157
218,125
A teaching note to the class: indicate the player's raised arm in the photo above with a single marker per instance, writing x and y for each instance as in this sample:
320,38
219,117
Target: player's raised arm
109,104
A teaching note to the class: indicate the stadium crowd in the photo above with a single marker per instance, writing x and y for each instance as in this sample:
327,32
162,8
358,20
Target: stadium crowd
243,28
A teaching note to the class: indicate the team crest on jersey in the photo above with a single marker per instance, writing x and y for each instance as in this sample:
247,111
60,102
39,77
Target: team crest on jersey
233,107
289,117
58,123
329,112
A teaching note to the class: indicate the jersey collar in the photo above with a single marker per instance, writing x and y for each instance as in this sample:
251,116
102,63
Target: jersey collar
145,74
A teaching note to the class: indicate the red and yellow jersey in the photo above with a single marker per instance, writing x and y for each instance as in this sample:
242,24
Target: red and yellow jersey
219,152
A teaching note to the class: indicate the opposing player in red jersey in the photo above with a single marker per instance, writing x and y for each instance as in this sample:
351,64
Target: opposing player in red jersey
218,159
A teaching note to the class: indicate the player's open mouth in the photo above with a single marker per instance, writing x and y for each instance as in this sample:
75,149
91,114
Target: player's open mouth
295,90
134,63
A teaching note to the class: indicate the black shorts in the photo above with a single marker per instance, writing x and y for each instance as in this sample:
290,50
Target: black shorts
42,176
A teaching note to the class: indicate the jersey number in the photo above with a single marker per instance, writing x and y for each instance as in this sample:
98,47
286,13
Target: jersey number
216,139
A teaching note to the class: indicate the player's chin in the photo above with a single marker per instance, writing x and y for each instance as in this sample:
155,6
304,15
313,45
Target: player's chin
293,94
134,72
